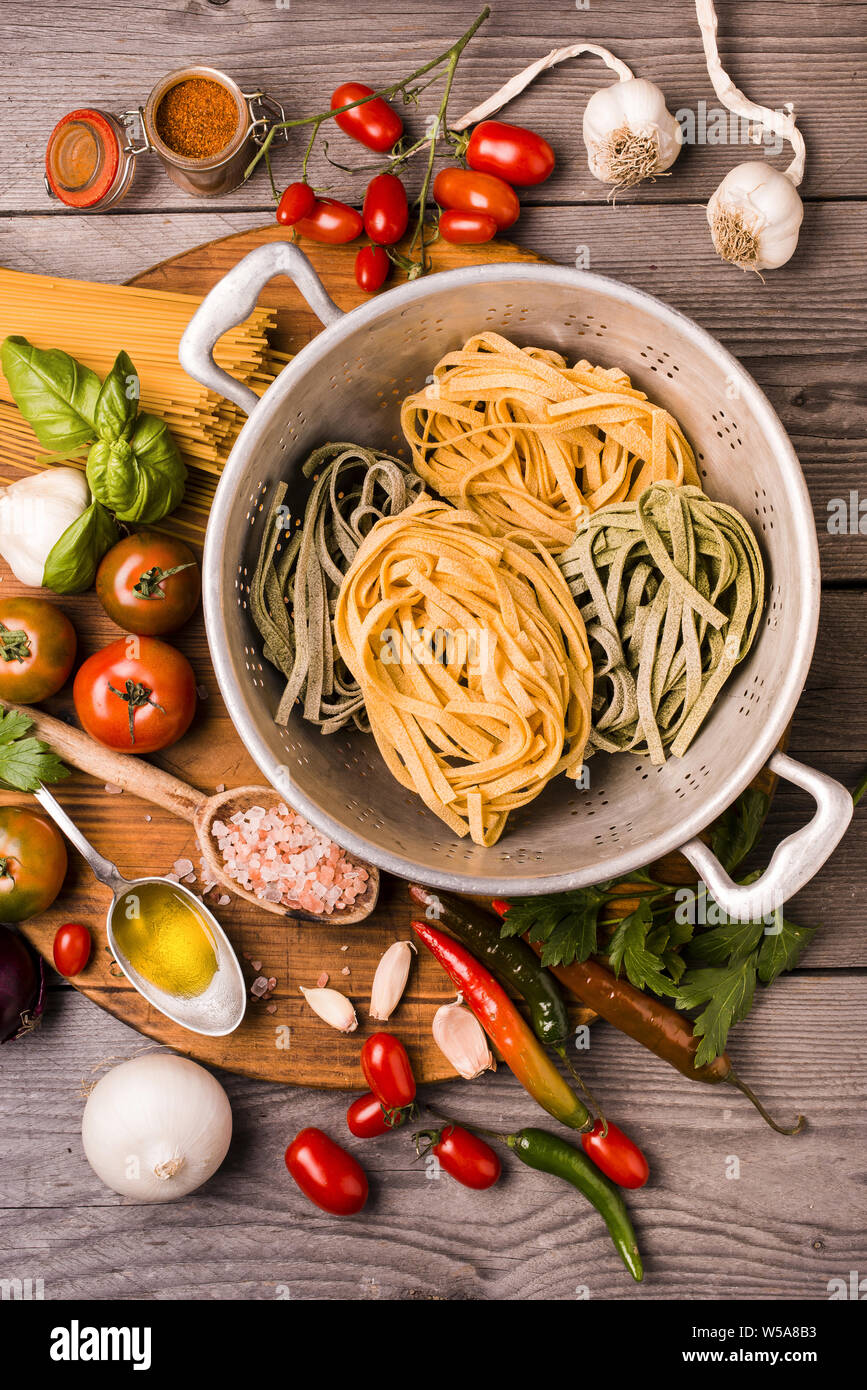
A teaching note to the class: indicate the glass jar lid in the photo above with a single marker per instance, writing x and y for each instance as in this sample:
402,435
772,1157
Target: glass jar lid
83,160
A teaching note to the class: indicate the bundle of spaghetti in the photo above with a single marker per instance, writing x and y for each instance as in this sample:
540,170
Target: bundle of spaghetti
93,322
472,659
671,588
528,442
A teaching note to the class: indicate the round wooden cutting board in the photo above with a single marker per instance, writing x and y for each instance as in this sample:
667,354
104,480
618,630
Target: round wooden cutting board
280,1039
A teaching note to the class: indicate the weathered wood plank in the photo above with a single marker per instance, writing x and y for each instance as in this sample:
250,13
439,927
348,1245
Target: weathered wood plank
791,1221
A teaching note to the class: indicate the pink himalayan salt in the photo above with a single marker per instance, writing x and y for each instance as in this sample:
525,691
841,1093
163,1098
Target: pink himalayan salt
278,856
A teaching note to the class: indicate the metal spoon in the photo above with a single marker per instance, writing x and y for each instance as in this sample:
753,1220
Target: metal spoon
152,784
220,1008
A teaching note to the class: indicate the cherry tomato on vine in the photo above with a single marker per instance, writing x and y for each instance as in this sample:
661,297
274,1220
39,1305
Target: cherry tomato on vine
37,649
149,583
137,695
32,863
467,1158
466,228
327,1175
616,1155
297,202
387,1071
385,209
467,191
366,1119
331,222
510,152
373,124
72,948
371,268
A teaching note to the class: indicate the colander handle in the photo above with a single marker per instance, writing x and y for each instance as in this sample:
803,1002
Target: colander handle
795,860
233,299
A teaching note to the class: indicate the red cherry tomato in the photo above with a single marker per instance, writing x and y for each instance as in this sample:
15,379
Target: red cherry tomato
385,209
327,1175
510,152
149,583
366,1119
468,191
332,222
466,228
373,124
138,695
467,1158
72,948
371,268
297,202
616,1155
37,649
387,1071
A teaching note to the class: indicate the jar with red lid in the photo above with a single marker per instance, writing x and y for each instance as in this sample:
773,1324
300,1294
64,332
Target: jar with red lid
89,162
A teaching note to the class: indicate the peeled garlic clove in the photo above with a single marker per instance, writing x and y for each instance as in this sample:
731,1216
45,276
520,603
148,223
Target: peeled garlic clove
390,979
755,216
461,1039
630,133
332,1007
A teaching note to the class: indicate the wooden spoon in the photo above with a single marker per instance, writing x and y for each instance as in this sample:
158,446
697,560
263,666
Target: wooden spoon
133,774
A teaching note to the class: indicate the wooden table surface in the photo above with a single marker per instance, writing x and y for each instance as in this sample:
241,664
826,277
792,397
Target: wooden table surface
794,1218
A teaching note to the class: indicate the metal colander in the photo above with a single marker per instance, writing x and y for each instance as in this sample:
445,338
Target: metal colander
348,384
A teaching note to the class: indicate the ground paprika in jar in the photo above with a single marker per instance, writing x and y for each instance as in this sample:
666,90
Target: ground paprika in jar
197,118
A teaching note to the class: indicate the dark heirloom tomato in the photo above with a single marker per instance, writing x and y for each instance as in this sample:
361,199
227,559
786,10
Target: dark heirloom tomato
32,863
373,124
512,153
366,1119
616,1155
385,209
72,948
468,191
327,1175
467,1158
371,268
297,202
37,649
149,583
137,695
387,1071
466,228
331,222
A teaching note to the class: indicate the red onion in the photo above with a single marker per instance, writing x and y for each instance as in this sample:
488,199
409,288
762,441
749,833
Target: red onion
22,986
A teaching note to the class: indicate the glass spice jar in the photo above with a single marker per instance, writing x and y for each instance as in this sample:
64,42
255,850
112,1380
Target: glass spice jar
88,161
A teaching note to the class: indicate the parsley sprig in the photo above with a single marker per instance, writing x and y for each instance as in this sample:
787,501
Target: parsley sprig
25,762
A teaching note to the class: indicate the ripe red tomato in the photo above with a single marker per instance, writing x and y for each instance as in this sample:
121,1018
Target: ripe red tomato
137,695
297,202
466,228
618,1157
366,1119
387,1071
467,1158
468,191
331,222
149,583
72,948
371,268
327,1175
374,124
385,209
37,649
510,152
32,863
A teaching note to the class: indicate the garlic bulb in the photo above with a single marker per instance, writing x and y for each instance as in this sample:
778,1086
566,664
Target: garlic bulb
755,216
461,1039
630,133
333,1008
34,513
156,1127
390,979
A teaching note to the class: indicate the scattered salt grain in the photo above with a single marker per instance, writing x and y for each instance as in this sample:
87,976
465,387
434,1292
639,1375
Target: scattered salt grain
270,1008
323,980
223,900
221,786
346,970
259,987
148,819
182,867
256,964
202,692
113,790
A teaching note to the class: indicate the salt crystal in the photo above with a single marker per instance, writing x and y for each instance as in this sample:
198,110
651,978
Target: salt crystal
256,964
223,900
113,790
258,987
270,1008
182,867
221,786
323,980
189,878
346,970
148,819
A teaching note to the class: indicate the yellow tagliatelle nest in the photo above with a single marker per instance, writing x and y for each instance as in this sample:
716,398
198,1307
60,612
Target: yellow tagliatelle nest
530,443
473,661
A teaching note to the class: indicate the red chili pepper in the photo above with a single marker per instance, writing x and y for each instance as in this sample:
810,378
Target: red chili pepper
505,1026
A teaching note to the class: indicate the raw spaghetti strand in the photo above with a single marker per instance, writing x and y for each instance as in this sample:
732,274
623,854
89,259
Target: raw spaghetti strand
529,443
473,662
671,588
299,572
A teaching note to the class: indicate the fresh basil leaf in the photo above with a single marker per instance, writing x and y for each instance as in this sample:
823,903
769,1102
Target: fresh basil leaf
738,828
117,403
72,561
140,479
56,395
780,950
